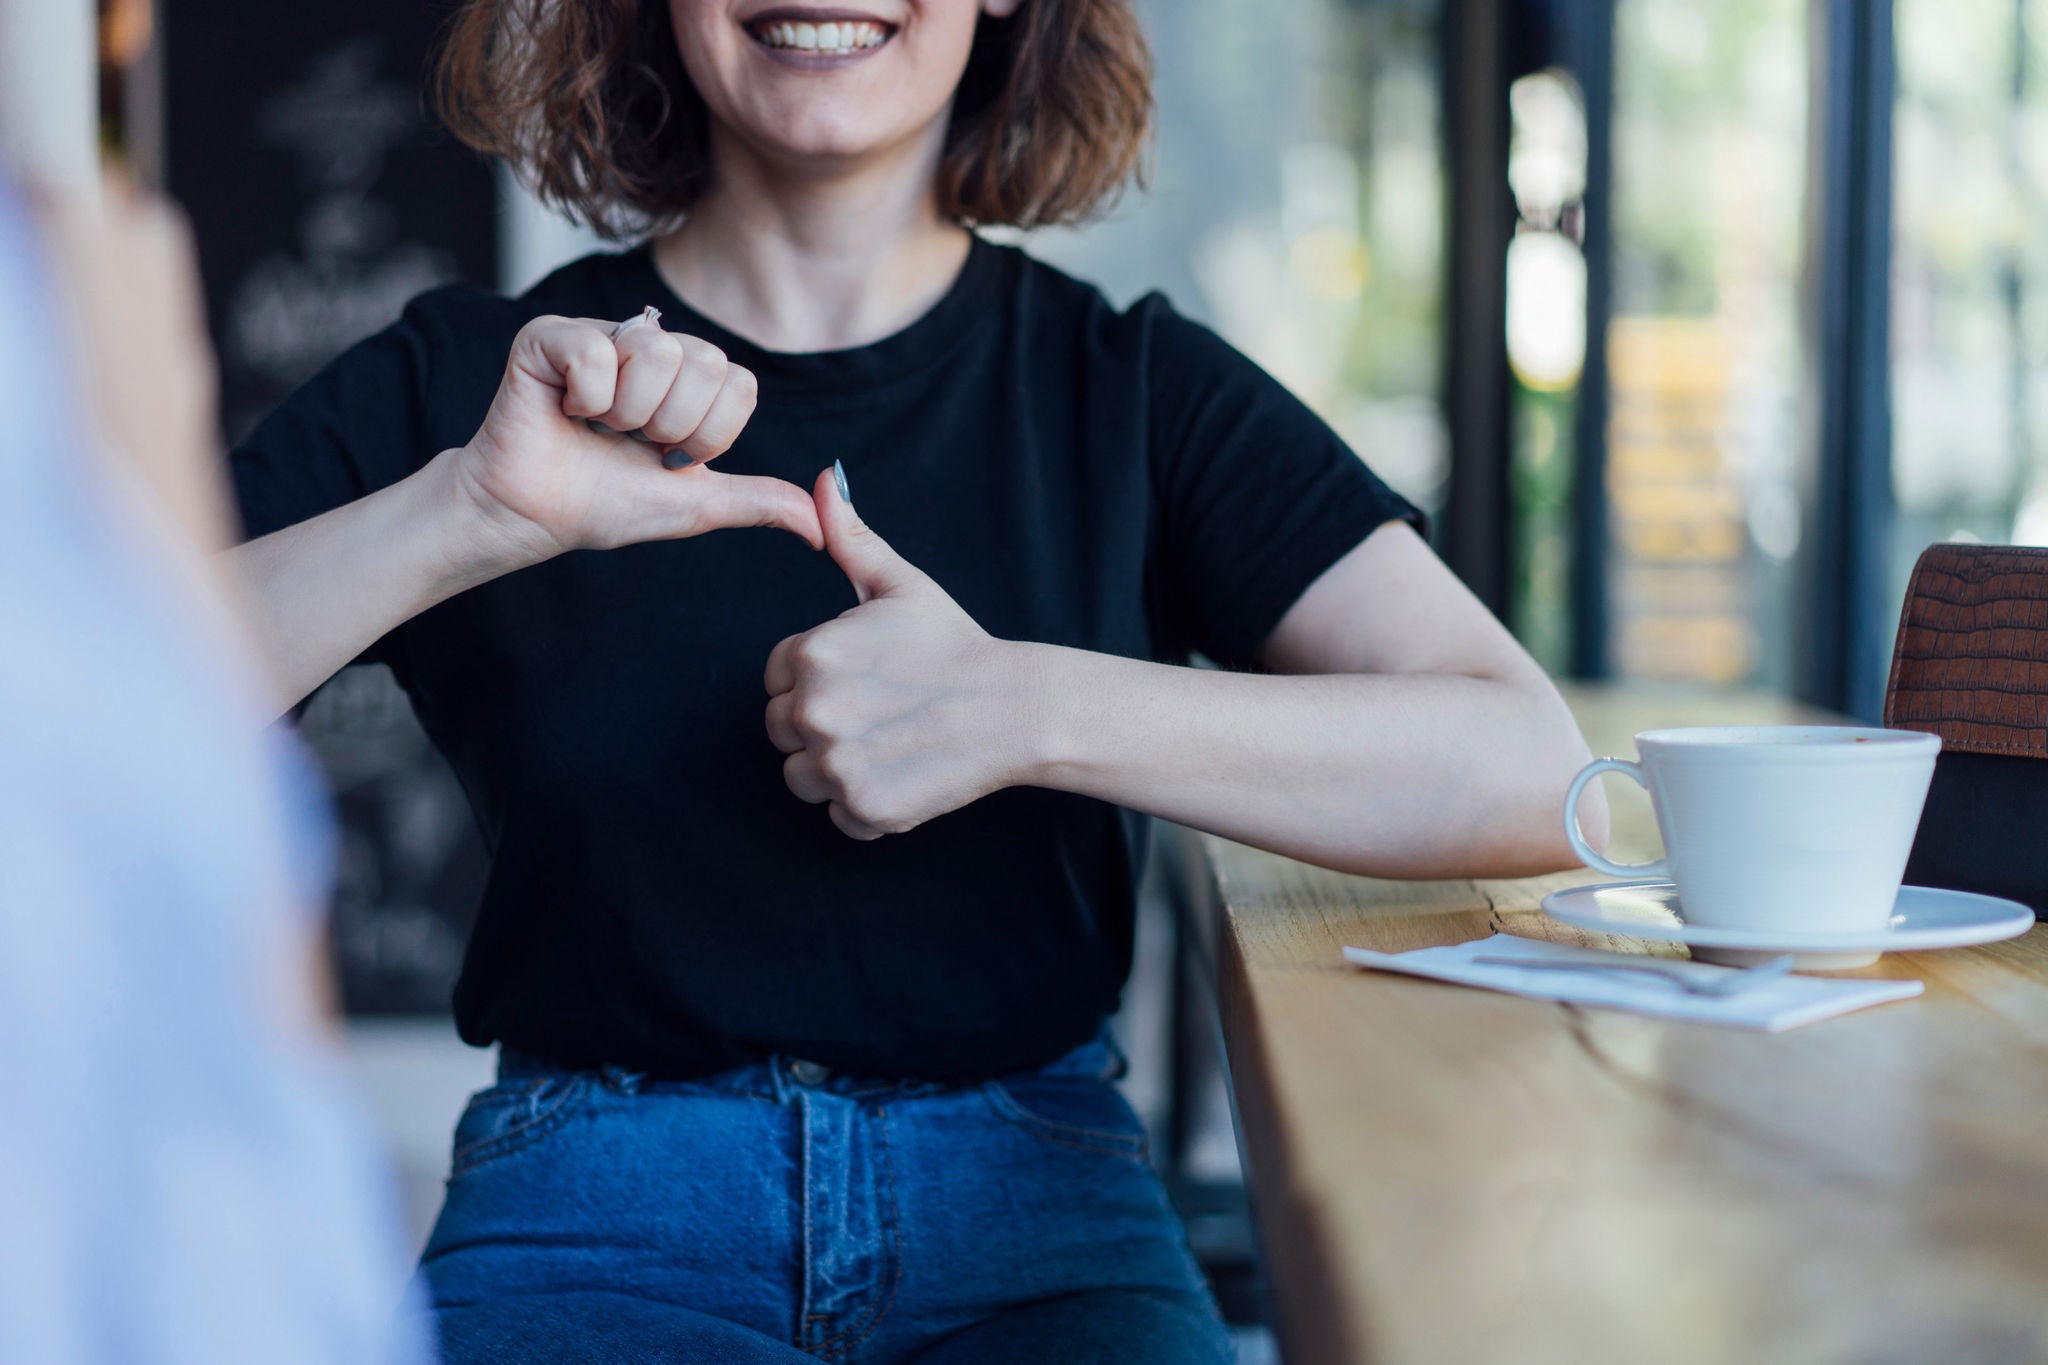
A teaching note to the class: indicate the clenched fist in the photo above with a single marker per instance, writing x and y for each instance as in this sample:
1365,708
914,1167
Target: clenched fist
554,483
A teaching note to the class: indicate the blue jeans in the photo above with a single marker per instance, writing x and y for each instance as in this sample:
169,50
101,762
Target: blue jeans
781,1213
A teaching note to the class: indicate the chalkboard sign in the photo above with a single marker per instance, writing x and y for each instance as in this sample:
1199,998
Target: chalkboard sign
324,195
322,191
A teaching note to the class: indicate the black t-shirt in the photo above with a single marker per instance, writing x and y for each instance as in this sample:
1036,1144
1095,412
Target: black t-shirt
1116,481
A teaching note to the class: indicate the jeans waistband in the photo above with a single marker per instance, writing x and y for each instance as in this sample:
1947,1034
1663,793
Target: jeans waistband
1097,1059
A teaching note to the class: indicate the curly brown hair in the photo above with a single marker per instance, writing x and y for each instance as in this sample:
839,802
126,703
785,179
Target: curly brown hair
588,99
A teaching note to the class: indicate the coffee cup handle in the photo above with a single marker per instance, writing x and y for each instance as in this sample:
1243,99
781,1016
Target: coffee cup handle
1587,854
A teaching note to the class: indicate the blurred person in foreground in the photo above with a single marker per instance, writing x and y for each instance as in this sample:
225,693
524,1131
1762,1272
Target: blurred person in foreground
182,1175
813,874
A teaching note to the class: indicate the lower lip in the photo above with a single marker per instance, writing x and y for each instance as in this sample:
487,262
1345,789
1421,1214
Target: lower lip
801,60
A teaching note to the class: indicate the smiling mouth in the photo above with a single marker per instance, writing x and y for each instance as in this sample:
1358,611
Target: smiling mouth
819,34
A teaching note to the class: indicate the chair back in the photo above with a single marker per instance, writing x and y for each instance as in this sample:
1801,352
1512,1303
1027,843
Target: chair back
1971,665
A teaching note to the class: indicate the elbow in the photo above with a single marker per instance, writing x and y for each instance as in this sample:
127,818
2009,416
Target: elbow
1553,753
1506,829
1541,847
1569,756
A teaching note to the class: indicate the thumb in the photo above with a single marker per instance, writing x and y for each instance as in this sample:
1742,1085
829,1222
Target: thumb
870,565
756,500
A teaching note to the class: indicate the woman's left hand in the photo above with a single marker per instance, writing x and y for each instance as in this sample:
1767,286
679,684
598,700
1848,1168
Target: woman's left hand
901,708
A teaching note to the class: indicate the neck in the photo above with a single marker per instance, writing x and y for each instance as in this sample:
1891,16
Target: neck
795,258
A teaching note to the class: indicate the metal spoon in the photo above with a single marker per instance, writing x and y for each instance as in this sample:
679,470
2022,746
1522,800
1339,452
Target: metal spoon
1718,986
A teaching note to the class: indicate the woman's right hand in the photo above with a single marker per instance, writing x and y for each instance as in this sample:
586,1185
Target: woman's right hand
550,483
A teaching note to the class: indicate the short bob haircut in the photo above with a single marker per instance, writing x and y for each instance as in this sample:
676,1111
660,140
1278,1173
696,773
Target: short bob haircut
589,101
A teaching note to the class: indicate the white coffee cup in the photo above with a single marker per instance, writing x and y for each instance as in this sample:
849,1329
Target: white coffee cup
1776,826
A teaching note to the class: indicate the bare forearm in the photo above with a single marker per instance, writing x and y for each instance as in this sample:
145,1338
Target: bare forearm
1401,775
321,592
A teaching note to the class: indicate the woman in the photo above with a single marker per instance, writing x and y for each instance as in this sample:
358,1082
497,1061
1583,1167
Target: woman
769,1090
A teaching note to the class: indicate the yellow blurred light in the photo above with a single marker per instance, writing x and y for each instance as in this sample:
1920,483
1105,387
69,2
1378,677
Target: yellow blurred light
1332,264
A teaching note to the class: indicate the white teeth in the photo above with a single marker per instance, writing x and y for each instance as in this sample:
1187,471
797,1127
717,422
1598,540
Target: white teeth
834,38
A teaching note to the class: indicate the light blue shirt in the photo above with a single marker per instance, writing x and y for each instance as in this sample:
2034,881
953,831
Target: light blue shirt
183,1176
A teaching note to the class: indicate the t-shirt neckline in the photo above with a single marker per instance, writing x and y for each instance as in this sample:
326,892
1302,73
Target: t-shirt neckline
968,304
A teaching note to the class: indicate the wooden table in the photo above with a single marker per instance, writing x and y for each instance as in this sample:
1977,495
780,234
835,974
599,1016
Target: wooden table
1444,1174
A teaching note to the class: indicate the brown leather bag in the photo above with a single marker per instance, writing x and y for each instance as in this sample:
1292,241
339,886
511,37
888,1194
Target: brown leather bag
1971,665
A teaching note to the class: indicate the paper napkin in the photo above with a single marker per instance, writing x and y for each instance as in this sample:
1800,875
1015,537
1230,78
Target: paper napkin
1783,1003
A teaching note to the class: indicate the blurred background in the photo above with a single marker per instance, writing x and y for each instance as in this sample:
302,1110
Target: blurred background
1690,324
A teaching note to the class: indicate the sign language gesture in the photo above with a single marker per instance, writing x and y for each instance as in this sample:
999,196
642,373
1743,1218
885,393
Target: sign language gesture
555,483
901,708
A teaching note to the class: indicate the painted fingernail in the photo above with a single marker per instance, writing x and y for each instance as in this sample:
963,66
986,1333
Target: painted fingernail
839,478
676,459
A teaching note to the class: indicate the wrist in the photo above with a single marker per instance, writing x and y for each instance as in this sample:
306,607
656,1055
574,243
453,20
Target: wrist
482,538
1035,709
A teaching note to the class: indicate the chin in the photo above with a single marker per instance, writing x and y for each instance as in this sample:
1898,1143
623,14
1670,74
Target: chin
826,126
823,145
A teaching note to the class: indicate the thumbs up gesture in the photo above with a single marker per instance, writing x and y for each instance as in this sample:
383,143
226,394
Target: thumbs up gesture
901,708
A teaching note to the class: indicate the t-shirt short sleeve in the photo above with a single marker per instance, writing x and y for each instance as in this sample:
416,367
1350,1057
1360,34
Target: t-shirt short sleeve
1258,495
350,430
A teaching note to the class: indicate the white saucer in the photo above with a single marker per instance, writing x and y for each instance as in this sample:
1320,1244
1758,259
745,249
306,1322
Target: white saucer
1923,918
